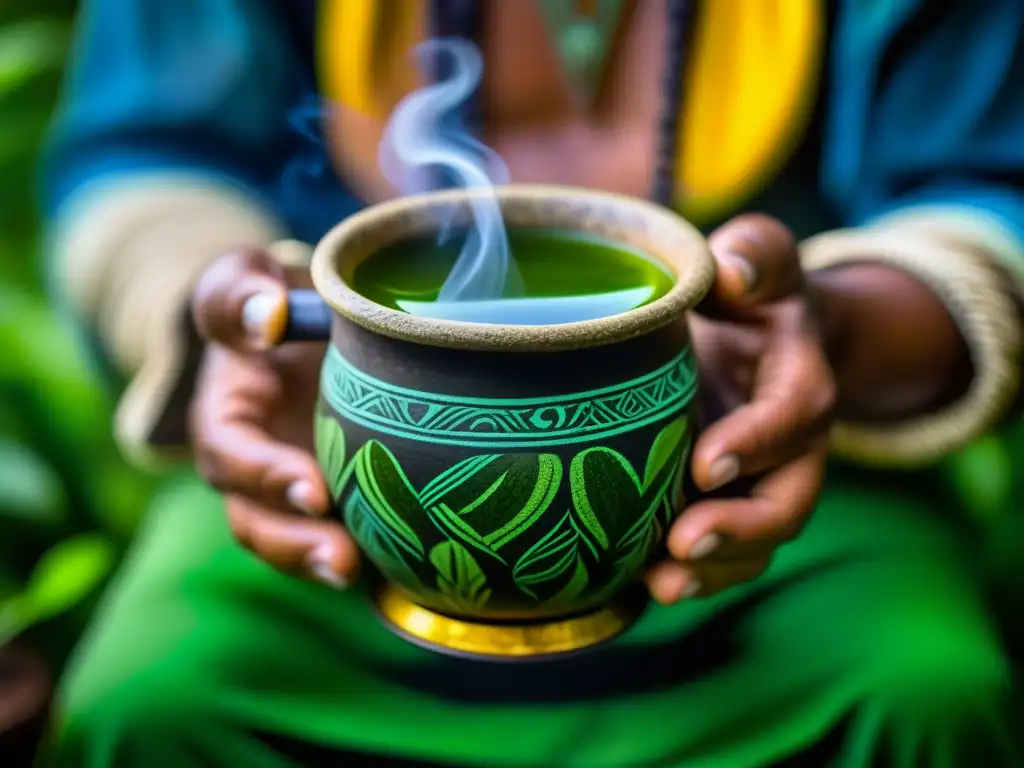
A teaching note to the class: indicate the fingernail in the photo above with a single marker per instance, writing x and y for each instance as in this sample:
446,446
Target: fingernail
672,583
746,270
255,312
692,588
704,546
319,565
299,495
260,316
723,470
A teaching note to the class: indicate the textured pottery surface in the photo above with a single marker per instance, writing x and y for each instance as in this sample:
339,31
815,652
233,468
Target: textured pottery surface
493,484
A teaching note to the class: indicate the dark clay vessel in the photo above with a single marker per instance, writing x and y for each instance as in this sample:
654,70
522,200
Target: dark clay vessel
509,482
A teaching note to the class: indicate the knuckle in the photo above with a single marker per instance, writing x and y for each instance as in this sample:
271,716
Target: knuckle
766,232
204,451
207,456
817,389
211,469
218,296
238,523
208,294
271,481
825,397
789,530
196,427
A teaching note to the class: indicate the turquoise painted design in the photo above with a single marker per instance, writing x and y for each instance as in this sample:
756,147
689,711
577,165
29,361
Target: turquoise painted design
505,424
510,531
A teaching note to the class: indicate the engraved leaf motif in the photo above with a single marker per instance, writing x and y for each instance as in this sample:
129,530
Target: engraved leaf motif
460,580
605,494
664,449
574,587
675,501
389,494
614,508
329,440
472,499
374,536
548,563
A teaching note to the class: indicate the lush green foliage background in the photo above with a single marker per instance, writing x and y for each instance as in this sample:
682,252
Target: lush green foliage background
68,504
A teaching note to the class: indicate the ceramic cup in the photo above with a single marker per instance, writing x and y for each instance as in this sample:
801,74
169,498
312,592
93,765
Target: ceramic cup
509,482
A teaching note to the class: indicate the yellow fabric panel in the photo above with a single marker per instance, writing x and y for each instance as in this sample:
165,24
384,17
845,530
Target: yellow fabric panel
365,51
749,93
751,79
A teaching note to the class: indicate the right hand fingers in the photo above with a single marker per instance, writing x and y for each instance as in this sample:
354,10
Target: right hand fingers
266,480
242,460
241,301
315,549
234,452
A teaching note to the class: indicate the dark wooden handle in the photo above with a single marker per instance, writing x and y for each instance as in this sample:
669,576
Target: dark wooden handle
309,317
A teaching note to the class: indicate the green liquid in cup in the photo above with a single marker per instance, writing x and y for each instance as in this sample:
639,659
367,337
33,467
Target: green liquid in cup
566,277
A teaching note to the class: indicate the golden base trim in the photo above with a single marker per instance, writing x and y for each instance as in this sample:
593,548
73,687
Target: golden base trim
506,640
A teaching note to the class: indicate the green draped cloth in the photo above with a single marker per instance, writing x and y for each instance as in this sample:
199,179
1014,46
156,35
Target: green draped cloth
866,644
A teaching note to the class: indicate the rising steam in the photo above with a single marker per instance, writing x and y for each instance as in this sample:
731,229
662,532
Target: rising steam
425,134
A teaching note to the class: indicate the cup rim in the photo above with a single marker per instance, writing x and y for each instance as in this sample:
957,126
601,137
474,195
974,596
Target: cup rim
657,231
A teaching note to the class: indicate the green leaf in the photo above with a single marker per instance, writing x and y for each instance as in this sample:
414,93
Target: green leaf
665,450
389,494
639,534
616,513
460,579
29,48
675,501
473,498
605,494
549,560
118,494
12,618
983,477
9,585
29,488
329,438
377,539
574,587
66,575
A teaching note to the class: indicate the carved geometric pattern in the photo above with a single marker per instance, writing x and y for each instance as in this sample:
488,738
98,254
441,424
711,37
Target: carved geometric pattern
507,423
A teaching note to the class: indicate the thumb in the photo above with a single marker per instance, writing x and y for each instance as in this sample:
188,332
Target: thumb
241,301
757,262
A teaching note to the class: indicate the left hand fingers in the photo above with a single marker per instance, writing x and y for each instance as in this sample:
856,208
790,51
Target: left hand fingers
757,263
670,582
720,543
791,408
727,529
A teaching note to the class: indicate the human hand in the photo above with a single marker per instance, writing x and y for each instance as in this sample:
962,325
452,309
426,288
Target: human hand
763,363
252,420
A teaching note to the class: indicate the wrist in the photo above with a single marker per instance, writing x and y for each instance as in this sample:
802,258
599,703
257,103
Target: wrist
923,338
895,349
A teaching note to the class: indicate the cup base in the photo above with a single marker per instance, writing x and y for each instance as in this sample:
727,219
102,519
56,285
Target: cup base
507,641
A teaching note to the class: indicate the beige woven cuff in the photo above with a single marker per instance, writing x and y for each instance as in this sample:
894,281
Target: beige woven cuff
127,254
972,228
956,259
